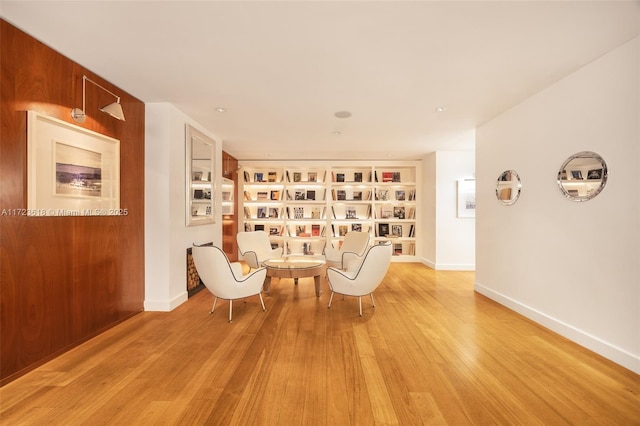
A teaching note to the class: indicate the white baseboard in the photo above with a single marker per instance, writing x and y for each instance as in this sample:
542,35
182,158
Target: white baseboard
448,267
593,343
165,305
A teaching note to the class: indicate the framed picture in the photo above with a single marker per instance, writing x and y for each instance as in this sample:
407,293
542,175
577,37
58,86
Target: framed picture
466,198
71,171
312,176
576,174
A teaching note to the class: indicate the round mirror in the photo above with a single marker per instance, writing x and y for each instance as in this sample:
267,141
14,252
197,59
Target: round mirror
582,176
508,187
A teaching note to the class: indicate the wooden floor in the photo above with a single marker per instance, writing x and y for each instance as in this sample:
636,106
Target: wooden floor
431,352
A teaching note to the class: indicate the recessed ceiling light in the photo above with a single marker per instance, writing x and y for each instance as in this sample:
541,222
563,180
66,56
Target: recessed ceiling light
343,114
221,109
441,109
337,133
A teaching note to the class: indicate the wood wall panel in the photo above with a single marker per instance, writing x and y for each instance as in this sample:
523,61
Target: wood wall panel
63,279
230,222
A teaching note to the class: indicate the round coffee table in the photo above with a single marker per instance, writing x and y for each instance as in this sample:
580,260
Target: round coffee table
294,267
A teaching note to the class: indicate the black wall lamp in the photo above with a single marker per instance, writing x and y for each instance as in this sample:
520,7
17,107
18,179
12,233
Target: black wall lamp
114,109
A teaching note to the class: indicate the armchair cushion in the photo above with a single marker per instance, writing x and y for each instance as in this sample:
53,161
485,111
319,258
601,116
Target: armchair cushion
255,248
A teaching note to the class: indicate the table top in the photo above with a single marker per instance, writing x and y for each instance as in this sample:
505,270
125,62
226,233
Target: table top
294,262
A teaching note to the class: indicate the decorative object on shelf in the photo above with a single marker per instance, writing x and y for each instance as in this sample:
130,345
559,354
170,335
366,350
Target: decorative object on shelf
200,163
114,109
71,171
508,187
584,163
467,198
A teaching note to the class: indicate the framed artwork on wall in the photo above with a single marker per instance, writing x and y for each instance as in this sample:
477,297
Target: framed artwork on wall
467,198
71,171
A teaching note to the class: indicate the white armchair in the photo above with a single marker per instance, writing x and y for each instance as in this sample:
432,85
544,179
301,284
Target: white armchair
353,246
225,280
255,248
361,278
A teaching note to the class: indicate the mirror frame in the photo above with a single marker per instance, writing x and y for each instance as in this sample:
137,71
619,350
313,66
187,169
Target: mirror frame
193,135
509,202
585,181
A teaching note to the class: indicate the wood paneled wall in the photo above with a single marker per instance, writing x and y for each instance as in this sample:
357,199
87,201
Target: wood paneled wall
63,279
230,222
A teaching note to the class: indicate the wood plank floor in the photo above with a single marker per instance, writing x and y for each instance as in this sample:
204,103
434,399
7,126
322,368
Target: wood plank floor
431,352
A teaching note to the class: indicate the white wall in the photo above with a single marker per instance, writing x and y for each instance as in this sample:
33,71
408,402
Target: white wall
573,267
449,241
166,236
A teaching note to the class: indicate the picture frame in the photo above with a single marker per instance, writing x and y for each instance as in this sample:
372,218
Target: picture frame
576,175
71,171
466,198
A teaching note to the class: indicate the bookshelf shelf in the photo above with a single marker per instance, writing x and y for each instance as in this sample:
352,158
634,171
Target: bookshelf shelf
304,207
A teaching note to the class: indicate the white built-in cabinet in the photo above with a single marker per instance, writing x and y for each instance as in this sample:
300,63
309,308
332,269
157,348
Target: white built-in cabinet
304,207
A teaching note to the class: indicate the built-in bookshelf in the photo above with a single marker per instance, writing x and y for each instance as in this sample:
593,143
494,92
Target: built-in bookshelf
306,207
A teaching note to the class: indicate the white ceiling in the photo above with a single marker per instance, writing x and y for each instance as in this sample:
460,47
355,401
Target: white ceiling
283,68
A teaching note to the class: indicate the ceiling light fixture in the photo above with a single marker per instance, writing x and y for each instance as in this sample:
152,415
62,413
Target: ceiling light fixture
114,109
343,114
441,109
221,109
337,133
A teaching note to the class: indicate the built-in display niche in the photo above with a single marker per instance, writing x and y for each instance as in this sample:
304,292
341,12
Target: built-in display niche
582,176
508,187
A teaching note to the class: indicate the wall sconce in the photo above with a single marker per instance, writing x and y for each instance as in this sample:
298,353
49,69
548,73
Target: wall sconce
114,109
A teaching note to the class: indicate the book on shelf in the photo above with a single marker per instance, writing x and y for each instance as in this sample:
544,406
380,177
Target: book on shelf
387,176
288,213
339,177
357,176
274,230
246,176
299,195
342,230
400,195
288,177
411,214
297,176
272,177
315,230
247,213
263,195
298,212
258,177
399,212
289,196
315,213
386,212
356,227
275,195
357,195
396,230
247,227
333,211
258,227
397,249
301,231
412,231
382,195
395,177
311,194
274,213
383,229
312,177
342,195
261,212
351,213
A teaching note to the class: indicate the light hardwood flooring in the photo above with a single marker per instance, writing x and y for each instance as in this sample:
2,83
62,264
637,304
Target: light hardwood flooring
432,352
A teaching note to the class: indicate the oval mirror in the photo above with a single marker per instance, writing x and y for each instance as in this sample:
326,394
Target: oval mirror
582,176
508,187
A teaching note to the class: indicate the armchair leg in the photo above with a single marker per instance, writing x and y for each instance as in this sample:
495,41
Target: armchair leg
330,300
360,303
214,305
230,308
372,302
262,301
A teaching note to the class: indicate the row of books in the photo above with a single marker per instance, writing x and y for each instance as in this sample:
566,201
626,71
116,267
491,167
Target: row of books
312,176
279,230
272,176
396,212
264,212
394,231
